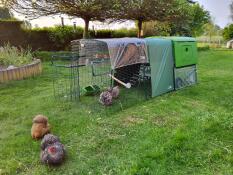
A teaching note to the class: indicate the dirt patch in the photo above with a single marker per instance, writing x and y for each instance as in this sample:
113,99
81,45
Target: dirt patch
159,121
132,120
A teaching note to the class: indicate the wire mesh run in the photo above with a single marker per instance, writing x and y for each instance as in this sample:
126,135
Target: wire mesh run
86,72
66,76
95,66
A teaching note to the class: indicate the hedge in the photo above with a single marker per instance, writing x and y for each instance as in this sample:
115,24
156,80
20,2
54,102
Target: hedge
46,55
51,38
203,48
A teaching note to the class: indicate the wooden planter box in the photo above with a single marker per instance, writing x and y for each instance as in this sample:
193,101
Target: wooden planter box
19,73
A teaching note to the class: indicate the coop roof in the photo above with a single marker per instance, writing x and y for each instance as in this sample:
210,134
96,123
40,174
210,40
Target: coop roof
182,39
126,51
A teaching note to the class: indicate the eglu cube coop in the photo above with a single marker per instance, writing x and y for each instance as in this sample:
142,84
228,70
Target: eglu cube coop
146,67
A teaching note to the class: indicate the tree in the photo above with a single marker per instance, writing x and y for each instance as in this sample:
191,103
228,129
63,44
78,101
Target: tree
149,10
88,10
200,17
156,28
211,30
190,22
5,13
181,25
228,32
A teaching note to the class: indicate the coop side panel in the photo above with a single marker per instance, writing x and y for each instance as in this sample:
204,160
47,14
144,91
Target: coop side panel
162,64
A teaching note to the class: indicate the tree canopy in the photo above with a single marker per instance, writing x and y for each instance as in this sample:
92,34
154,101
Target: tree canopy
88,10
182,15
150,10
228,32
189,23
211,29
200,17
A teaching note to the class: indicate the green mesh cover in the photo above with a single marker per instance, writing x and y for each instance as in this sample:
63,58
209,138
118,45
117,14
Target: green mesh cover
162,64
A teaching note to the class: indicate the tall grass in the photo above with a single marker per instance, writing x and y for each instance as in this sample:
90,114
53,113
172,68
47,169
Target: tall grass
10,55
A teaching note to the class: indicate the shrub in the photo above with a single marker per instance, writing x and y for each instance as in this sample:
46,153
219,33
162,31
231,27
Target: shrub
228,32
53,38
203,48
124,33
47,56
101,33
120,33
13,56
61,36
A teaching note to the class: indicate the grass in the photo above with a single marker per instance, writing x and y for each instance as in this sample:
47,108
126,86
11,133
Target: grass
13,56
184,132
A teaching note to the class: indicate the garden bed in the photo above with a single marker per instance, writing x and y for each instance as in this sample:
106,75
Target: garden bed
22,72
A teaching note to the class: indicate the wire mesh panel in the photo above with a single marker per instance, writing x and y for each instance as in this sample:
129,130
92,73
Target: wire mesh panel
88,71
66,76
139,76
185,76
96,66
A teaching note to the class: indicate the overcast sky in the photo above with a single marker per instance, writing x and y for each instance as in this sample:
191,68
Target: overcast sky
219,9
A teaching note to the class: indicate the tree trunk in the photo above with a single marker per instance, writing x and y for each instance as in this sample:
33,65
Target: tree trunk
86,29
139,28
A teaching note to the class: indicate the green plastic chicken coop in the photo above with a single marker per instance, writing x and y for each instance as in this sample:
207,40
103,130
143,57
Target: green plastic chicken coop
153,65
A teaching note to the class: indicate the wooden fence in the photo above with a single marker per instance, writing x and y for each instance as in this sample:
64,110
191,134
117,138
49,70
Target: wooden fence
22,72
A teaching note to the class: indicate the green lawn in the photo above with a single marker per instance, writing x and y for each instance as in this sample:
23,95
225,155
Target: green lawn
185,132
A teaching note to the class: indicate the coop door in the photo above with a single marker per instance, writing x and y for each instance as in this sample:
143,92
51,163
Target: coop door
184,77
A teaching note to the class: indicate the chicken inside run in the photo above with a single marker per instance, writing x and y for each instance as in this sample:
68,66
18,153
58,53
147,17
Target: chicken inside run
102,73
122,72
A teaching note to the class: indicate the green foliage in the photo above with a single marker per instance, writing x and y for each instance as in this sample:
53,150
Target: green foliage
10,55
124,33
203,48
200,17
52,38
87,10
46,56
61,36
190,23
228,32
104,33
156,28
152,10
193,18
119,33
211,30
5,13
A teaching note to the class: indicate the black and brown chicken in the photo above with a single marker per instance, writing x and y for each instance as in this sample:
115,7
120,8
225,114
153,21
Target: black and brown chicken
52,151
105,98
115,91
48,139
53,154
